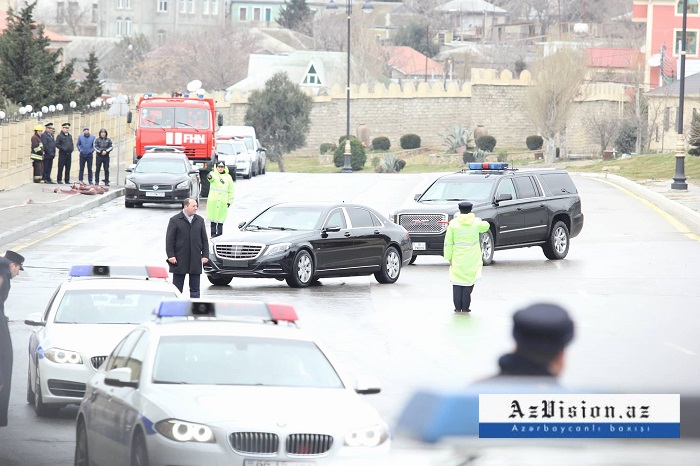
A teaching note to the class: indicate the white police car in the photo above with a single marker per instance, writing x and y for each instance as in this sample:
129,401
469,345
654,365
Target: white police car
84,320
225,385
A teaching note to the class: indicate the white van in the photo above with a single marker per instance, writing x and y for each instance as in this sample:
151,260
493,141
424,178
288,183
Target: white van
251,142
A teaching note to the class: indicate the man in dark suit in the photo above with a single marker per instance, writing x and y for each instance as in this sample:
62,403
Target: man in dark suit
10,266
187,246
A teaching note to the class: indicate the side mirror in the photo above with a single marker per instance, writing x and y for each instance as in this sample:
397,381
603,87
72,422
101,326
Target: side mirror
416,197
504,197
365,385
262,149
242,224
130,168
128,116
194,171
220,119
331,229
34,320
120,377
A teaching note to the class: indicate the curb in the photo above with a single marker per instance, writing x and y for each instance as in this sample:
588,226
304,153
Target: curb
36,225
682,212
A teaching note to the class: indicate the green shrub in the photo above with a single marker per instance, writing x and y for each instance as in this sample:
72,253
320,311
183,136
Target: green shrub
458,137
358,158
376,161
467,157
410,141
627,138
381,143
502,157
400,164
327,147
486,142
534,142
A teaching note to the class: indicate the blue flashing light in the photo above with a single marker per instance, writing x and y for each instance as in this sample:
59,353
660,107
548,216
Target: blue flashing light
488,166
118,270
187,94
173,308
150,94
80,270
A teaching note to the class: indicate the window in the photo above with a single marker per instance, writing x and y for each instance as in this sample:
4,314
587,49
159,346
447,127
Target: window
60,12
136,358
691,42
190,4
214,7
559,183
205,7
120,356
692,7
525,187
336,219
256,14
506,187
181,7
120,4
119,26
268,15
162,6
127,27
161,37
312,77
242,14
360,218
127,4
94,13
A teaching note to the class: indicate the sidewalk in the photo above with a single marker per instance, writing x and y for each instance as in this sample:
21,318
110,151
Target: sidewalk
32,207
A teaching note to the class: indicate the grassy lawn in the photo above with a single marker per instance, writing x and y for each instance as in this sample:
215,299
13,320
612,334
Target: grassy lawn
642,167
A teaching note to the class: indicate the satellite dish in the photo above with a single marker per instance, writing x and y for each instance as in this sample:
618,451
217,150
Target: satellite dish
194,85
228,96
654,60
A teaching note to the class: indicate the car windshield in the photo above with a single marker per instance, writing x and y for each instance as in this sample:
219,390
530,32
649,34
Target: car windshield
288,218
109,306
467,189
174,117
169,166
227,148
239,360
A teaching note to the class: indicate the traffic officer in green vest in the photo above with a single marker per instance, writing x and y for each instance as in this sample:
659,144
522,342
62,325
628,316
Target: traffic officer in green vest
220,198
462,249
37,154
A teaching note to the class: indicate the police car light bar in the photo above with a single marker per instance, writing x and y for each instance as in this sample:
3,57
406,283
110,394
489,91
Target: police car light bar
256,310
488,166
118,270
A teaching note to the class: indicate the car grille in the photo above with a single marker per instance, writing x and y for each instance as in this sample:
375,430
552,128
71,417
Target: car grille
151,186
424,223
66,388
255,442
238,250
308,444
97,361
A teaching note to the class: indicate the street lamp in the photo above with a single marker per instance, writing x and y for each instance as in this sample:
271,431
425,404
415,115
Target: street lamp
679,177
366,7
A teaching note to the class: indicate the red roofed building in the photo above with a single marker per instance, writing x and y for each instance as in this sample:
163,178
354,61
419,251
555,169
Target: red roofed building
407,63
613,64
58,41
664,21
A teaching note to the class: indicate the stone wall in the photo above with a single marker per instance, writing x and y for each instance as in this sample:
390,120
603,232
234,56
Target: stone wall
496,101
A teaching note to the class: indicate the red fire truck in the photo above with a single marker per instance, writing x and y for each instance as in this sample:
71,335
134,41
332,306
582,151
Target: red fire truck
185,123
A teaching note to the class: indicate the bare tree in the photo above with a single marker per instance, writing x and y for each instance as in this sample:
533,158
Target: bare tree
603,127
550,99
71,16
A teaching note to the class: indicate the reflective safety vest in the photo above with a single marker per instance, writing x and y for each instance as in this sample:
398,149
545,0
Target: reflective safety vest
37,151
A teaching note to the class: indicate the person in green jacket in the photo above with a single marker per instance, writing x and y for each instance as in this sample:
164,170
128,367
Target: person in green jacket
462,249
220,198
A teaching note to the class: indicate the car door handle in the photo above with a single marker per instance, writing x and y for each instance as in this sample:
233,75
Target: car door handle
347,234
519,208
376,232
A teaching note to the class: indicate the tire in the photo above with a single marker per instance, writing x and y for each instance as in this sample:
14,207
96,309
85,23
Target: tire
487,246
557,245
30,392
82,457
413,259
264,170
40,408
302,270
247,177
139,452
391,266
129,205
219,280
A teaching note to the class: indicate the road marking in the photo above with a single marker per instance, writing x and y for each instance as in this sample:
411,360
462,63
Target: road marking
680,348
669,218
48,235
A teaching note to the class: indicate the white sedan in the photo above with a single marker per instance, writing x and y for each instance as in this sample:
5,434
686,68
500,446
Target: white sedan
85,319
226,385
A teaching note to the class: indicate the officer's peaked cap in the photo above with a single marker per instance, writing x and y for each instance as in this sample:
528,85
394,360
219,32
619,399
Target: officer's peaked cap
15,257
543,327
465,207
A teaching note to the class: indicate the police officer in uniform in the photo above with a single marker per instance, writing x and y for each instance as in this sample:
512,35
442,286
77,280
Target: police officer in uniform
49,143
10,266
65,146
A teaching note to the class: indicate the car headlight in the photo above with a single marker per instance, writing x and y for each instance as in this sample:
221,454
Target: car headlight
278,248
211,247
129,184
60,356
184,185
371,436
182,431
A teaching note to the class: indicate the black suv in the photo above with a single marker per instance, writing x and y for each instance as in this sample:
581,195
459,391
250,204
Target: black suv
524,207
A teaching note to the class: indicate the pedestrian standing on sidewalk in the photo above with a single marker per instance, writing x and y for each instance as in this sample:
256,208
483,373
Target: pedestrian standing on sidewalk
86,147
462,248
220,198
37,154
49,143
64,143
10,266
187,246
103,146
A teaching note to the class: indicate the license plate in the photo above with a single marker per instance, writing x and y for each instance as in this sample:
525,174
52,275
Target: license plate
277,463
235,263
153,194
419,246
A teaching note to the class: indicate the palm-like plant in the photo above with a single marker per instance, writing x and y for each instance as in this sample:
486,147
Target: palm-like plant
456,138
